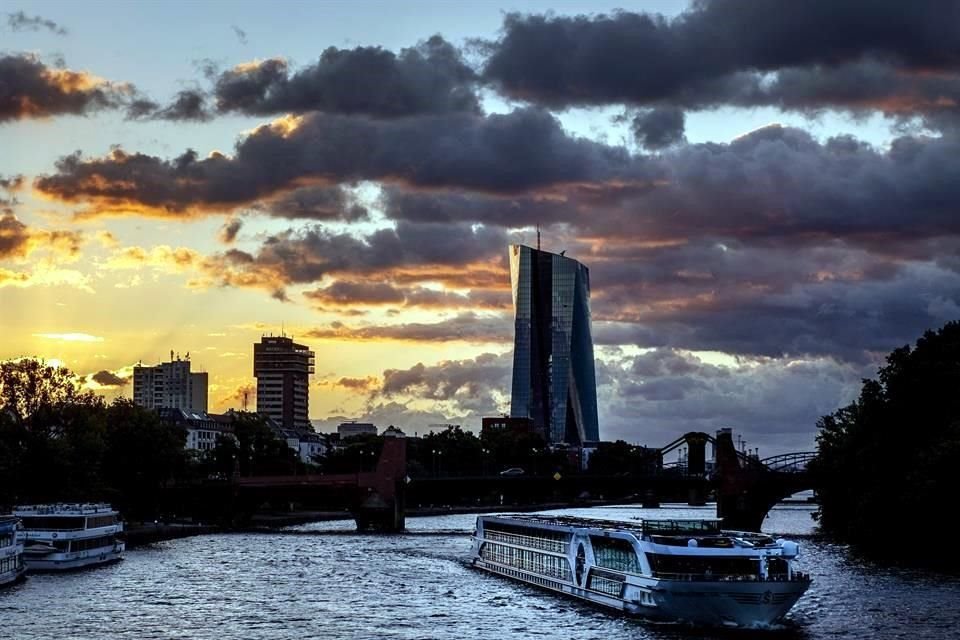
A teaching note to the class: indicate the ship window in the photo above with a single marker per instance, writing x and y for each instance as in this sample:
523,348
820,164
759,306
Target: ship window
713,566
53,523
612,553
526,537
10,563
92,543
777,568
527,560
606,585
101,521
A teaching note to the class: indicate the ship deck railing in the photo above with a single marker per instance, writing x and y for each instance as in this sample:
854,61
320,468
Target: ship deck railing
731,577
529,542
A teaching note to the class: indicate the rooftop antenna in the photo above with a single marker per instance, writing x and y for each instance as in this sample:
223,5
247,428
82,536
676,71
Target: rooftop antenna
538,236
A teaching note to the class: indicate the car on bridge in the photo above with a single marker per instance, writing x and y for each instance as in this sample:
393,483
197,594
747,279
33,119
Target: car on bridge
513,471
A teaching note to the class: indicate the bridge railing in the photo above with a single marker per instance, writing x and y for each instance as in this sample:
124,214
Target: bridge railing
790,462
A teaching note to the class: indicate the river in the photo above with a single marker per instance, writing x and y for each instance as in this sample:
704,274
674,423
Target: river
320,581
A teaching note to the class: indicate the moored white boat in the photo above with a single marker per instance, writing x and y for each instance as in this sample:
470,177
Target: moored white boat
58,537
670,570
11,550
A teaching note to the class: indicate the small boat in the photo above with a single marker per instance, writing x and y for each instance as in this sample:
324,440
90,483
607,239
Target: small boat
667,570
11,550
58,537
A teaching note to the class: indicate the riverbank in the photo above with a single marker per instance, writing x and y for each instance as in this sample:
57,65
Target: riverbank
144,533
138,534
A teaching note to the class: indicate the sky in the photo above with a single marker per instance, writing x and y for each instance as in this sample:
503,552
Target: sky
765,194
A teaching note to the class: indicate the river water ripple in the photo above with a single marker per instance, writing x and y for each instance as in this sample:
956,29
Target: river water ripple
319,583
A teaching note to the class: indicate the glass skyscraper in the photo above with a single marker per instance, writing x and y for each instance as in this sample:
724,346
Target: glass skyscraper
554,380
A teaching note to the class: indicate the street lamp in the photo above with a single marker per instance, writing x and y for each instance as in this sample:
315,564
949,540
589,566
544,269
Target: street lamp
483,462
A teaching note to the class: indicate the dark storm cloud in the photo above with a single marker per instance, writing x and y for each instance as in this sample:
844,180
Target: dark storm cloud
771,403
464,327
466,381
189,104
109,379
345,293
14,237
659,128
855,319
9,187
464,206
228,234
429,78
521,150
19,21
725,52
17,240
31,89
315,203
306,255
774,185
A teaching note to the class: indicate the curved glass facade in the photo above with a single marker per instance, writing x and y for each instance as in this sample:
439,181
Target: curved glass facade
554,380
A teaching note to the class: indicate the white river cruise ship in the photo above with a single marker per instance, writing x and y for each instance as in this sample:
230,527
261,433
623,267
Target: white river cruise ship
11,550
70,536
669,570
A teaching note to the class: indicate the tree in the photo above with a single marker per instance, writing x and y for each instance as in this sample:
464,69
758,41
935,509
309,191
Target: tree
886,462
621,457
51,434
259,450
30,389
141,455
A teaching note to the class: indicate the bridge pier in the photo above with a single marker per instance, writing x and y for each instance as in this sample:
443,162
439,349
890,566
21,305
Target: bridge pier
377,515
747,488
381,504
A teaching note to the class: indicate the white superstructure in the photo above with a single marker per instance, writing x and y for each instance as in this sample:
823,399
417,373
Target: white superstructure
11,550
70,536
671,570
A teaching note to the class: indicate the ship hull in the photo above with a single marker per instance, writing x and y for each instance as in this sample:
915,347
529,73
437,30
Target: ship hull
758,605
71,561
11,577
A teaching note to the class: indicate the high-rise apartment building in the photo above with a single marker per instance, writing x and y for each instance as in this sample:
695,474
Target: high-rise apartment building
170,385
554,378
282,369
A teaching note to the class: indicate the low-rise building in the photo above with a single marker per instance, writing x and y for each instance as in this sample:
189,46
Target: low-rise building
203,429
350,429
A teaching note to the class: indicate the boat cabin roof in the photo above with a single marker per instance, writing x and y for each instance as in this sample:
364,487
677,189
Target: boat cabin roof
63,509
659,527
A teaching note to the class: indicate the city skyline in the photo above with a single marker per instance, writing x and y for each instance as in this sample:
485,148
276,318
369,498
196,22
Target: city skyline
765,199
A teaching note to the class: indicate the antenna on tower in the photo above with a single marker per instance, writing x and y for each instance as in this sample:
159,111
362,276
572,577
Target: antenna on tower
283,332
538,236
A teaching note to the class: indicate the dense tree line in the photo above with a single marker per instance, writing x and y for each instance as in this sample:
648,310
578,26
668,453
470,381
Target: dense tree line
886,469
60,442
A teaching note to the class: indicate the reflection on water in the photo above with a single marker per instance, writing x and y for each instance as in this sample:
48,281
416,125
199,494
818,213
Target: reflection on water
320,582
